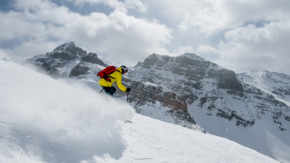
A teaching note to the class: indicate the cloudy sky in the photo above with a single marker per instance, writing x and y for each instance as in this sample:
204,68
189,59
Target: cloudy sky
240,35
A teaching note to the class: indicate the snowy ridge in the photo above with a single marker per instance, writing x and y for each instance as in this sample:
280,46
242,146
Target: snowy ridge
47,121
273,83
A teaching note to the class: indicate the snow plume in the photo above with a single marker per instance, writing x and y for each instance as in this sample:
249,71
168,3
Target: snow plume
56,121
2,55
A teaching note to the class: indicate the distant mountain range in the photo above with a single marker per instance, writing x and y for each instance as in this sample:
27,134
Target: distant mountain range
250,108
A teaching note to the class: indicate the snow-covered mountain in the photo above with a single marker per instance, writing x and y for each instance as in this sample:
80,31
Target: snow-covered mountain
43,120
276,84
220,101
68,60
189,90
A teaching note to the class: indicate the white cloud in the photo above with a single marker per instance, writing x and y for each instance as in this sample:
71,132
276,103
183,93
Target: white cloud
2,54
182,50
250,48
126,40
135,4
215,16
206,49
210,17
238,34
229,32
122,39
29,49
208,52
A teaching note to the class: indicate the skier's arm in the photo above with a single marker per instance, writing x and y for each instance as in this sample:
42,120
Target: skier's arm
119,82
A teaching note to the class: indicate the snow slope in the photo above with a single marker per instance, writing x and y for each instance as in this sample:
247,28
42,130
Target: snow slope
45,120
49,121
264,136
171,143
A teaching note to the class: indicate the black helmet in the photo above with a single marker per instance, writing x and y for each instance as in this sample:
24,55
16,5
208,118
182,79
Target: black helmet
124,69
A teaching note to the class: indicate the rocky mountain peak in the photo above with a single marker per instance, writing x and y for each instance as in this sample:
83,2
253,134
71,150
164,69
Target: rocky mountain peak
68,47
189,68
192,56
161,60
66,60
67,51
153,59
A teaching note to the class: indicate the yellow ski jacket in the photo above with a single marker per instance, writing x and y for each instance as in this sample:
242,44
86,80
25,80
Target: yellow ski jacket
115,76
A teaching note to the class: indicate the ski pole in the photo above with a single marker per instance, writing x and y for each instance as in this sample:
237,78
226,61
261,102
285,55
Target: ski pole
127,96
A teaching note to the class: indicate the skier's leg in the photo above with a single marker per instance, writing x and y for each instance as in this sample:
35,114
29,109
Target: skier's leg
113,90
108,90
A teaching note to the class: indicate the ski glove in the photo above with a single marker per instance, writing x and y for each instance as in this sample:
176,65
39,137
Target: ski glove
128,90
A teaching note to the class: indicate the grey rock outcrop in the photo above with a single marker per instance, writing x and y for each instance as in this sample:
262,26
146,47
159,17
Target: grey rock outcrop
93,58
79,69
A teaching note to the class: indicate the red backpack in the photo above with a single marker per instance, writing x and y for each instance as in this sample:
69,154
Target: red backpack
106,72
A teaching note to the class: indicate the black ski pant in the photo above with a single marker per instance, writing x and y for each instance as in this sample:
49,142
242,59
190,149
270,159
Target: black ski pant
110,90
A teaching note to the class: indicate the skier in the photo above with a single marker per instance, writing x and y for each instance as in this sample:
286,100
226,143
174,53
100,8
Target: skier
115,76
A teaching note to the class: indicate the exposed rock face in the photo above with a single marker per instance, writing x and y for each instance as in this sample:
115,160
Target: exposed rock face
178,78
93,58
79,69
226,79
143,94
177,82
189,67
